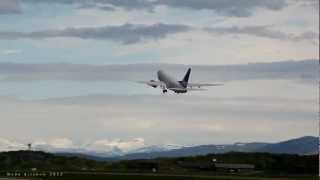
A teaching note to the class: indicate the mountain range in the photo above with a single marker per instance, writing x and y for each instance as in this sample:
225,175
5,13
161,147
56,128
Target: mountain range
303,146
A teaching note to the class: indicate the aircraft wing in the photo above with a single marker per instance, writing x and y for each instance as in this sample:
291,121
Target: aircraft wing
199,85
188,89
152,83
196,89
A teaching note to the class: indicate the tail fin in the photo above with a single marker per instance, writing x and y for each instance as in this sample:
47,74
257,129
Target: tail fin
186,77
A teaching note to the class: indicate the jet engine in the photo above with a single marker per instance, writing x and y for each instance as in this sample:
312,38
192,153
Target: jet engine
152,84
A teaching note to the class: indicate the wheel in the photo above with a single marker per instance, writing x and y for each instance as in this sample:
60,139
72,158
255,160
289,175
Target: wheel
164,91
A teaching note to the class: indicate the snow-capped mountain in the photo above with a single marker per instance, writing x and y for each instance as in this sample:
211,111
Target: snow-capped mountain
303,145
156,148
137,149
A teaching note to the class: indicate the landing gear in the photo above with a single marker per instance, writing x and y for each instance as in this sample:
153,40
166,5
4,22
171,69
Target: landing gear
164,91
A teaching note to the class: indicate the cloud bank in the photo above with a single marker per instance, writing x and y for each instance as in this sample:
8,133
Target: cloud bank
266,32
133,33
103,146
305,70
9,7
239,8
127,33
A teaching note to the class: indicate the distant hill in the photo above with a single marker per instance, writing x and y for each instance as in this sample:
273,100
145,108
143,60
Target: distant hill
304,145
197,150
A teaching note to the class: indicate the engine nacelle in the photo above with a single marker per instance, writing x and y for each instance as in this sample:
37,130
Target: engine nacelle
152,84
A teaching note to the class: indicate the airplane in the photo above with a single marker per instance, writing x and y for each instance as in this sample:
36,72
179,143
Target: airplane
168,83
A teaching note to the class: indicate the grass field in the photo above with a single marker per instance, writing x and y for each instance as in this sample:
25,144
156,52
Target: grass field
119,176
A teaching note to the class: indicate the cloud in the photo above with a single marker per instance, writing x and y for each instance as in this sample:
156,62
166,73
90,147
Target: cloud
61,143
307,3
9,7
132,33
66,144
266,32
239,8
127,33
122,145
11,145
10,51
304,70
111,122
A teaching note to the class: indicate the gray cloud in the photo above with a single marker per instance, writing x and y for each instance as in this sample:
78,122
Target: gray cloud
239,8
9,7
266,32
307,3
132,33
304,70
127,33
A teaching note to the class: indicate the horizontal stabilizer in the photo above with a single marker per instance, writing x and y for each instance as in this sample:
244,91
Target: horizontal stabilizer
203,84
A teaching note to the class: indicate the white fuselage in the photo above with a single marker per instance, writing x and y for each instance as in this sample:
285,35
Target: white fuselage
169,81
